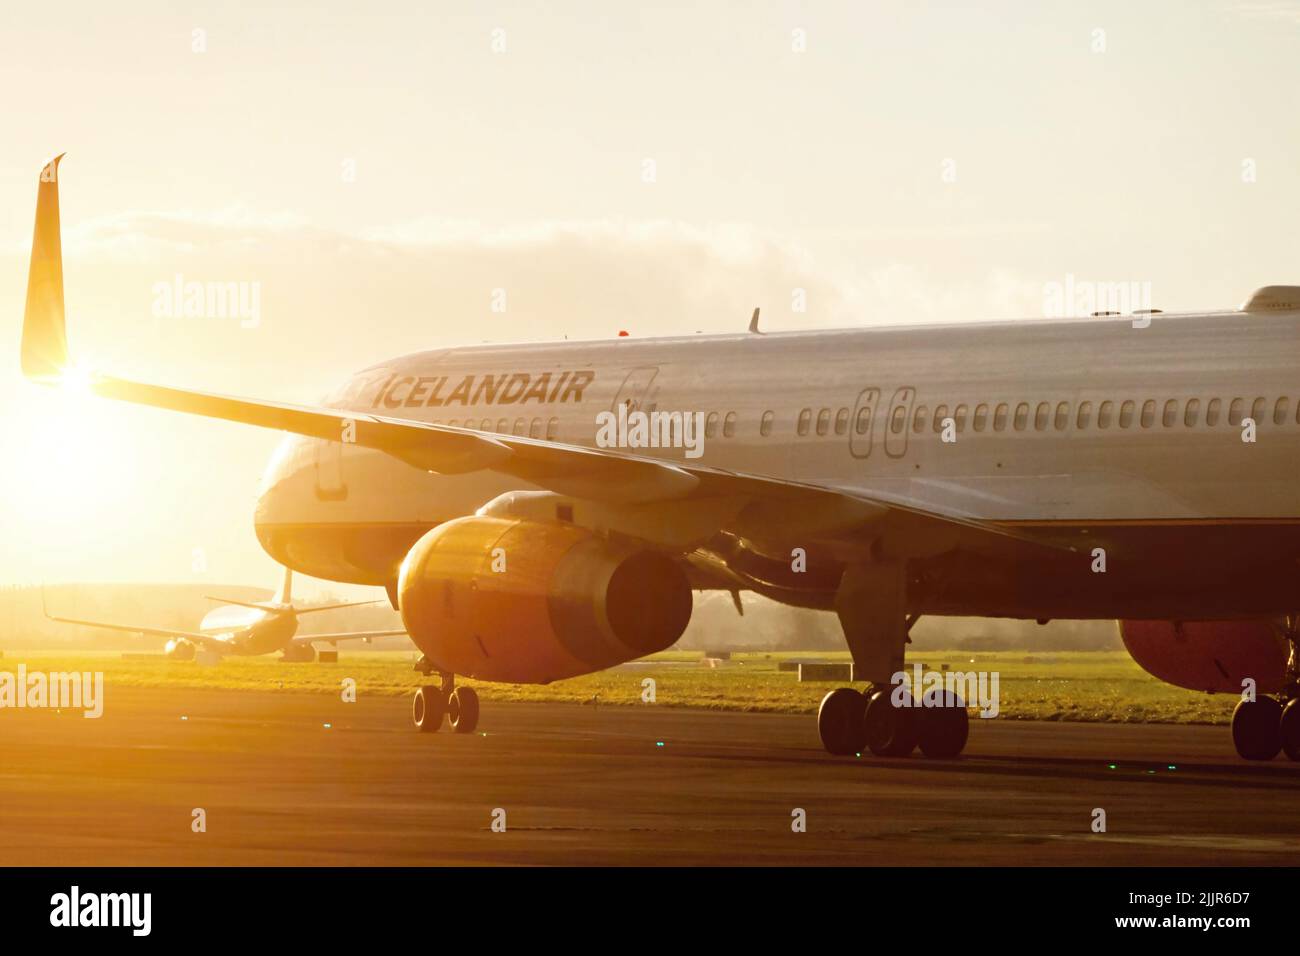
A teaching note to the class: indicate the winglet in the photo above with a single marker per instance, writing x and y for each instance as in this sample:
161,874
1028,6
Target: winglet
45,337
753,322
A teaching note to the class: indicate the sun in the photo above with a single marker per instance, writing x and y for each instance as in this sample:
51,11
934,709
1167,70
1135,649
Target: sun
71,454
76,382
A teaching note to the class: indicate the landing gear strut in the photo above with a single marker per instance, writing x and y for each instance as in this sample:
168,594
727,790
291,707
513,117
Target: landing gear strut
1266,725
872,606
433,702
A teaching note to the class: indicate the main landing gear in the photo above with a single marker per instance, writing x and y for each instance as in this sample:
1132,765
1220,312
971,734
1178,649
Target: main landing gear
890,723
871,603
433,702
1263,727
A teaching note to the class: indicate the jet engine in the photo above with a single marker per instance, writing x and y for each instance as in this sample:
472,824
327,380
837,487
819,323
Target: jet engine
179,649
1210,656
298,654
528,602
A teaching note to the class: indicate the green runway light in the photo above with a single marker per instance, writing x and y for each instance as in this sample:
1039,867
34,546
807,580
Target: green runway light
1112,766
659,743
328,726
1172,767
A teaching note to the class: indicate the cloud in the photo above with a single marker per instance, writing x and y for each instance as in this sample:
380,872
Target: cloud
1285,10
435,278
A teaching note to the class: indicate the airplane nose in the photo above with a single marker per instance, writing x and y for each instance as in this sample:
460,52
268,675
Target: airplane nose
275,496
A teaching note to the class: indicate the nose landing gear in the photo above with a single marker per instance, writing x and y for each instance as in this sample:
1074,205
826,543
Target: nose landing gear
433,702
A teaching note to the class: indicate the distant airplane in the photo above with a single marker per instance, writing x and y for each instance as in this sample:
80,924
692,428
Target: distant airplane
244,629
541,511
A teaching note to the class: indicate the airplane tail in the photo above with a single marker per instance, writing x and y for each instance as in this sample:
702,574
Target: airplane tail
285,594
45,338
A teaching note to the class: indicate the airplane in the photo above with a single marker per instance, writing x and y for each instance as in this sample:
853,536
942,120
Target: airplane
242,628
1135,468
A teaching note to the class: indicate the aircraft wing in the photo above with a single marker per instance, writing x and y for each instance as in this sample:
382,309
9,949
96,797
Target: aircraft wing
348,636
133,628
297,611
169,632
300,611
610,475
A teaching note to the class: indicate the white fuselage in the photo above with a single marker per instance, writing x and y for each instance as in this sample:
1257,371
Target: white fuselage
1086,431
248,630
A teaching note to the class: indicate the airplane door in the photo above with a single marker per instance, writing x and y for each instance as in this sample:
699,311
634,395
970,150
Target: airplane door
329,471
635,389
896,425
862,427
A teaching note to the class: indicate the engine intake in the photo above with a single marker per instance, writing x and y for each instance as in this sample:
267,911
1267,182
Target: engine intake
529,602
179,649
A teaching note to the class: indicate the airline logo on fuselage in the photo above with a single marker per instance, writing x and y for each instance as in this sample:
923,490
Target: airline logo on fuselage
507,388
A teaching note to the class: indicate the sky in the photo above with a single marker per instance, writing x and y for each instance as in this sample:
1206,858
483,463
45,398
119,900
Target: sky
380,176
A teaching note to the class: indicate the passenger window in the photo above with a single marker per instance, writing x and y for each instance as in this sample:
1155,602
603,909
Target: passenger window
1279,411
1212,411
805,419
981,417
1257,410
1104,414
1192,412
453,423
520,425
535,429
486,425
940,413
503,424
1171,414
842,422
918,419
552,429
1126,413
729,425
1062,416
1000,418
1236,411
899,420
1148,413
1040,416
1022,416
823,421
765,424
711,425
959,417
1084,418
863,423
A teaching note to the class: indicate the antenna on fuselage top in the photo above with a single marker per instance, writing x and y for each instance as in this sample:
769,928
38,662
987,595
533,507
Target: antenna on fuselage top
753,322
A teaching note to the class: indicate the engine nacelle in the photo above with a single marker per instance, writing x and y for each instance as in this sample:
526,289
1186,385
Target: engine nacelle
1210,656
298,654
179,649
528,602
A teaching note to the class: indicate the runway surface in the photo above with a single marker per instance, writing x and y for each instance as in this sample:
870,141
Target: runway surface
302,779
